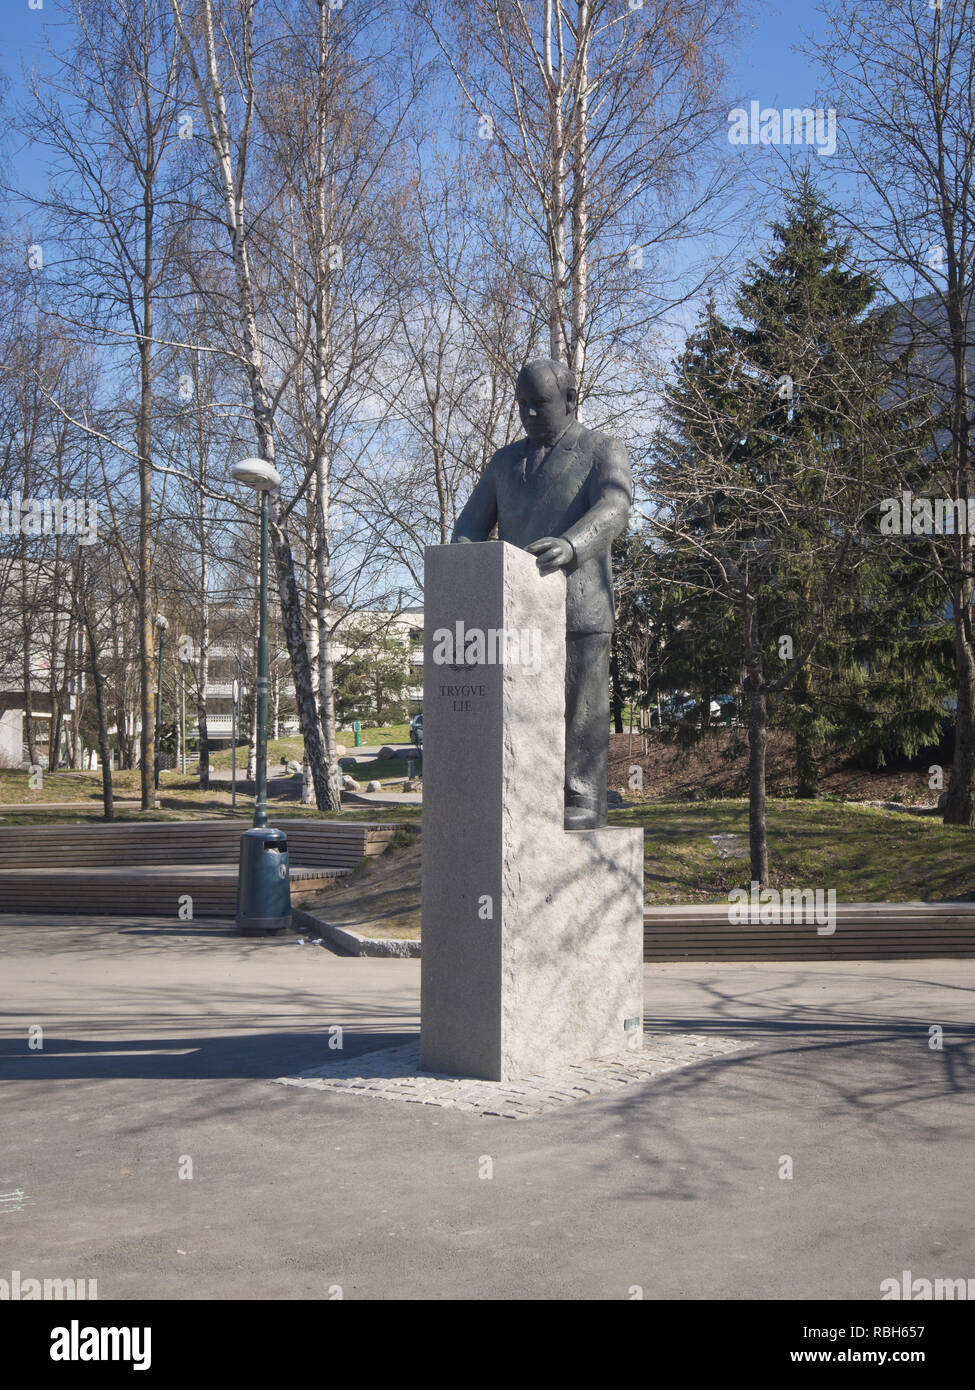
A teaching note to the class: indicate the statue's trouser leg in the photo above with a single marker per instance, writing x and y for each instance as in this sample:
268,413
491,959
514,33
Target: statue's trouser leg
587,720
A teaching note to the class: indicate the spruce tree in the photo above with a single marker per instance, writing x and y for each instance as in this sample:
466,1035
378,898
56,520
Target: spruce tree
811,317
781,434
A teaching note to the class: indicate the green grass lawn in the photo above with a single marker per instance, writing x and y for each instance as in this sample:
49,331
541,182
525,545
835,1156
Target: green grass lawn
15,786
382,769
180,798
866,854
277,748
292,748
389,733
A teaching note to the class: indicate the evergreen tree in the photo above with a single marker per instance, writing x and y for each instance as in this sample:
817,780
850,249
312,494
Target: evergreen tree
811,323
373,674
781,434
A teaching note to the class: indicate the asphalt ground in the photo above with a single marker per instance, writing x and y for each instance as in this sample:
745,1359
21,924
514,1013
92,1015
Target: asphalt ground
145,1144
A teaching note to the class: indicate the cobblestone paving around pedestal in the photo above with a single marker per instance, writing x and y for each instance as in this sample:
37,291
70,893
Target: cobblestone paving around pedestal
393,1074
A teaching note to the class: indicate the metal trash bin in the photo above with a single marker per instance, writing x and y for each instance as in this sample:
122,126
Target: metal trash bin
263,883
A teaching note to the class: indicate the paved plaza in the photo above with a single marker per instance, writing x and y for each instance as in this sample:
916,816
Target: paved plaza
149,1145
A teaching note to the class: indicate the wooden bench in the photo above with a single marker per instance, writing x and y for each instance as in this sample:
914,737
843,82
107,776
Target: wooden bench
150,866
864,931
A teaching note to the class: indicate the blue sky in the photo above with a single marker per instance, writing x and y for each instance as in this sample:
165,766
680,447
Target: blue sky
765,61
770,71
764,67
21,44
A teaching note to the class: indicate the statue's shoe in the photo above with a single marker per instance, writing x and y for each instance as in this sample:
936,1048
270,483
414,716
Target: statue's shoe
580,818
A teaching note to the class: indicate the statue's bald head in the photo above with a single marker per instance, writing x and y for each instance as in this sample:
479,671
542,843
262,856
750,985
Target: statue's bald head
546,392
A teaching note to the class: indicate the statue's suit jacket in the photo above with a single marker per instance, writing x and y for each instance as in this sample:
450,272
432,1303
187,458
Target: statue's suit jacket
581,490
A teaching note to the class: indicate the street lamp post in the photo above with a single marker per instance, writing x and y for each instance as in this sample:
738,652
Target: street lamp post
235,705
182,716
260,475
263,884
161,625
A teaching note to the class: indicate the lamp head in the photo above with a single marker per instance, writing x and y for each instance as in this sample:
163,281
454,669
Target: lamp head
256,473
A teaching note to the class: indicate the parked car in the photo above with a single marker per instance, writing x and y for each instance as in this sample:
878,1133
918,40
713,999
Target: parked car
681,706
670,710
727,708
693,707
416,731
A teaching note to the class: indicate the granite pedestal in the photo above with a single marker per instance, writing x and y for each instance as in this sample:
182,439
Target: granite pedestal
532,936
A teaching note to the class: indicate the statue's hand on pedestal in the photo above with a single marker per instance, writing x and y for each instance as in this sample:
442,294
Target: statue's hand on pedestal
552,553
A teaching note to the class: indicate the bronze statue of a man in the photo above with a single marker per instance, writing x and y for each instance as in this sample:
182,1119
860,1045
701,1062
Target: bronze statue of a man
563,493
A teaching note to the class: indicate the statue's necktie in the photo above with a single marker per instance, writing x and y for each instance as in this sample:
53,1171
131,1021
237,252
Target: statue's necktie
536,456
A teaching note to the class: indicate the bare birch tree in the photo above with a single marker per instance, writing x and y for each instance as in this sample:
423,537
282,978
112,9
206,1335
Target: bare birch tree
595,119
201,35
902,77
105,224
